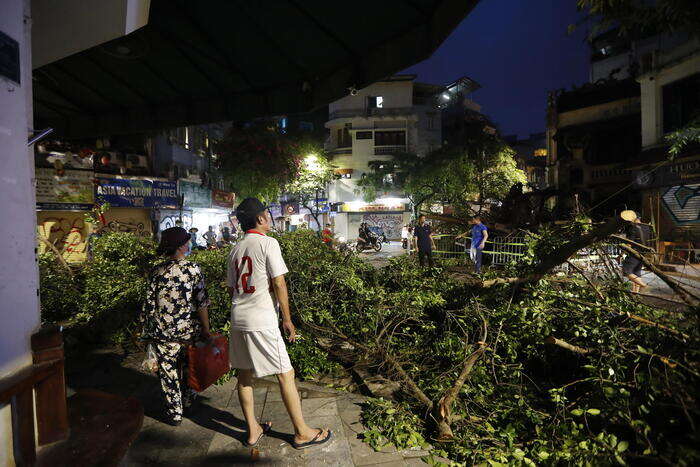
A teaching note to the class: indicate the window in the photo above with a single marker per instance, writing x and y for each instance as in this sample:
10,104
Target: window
375,102
389,138
343,137
681,101
363,135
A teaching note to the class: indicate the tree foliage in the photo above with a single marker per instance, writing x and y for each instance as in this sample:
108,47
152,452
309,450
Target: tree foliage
312,179
482,169
641,18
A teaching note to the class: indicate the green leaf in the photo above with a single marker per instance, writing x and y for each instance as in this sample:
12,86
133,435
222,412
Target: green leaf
577,412
622,446
593,411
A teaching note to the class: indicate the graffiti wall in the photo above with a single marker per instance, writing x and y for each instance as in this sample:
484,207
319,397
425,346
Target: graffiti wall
391,223
683,203
65,230
136,221
169,217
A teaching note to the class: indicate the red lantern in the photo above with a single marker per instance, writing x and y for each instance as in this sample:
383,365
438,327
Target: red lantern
105,160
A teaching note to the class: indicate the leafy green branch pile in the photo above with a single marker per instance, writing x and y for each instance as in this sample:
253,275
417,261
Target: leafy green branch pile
631,397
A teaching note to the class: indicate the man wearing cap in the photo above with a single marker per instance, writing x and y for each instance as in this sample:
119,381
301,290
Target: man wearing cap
639,233
174,314
255,280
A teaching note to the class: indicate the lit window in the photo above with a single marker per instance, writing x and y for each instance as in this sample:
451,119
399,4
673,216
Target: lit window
380,102
542,152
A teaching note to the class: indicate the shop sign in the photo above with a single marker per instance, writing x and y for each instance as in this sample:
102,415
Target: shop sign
195,195
673,174
72,190
131,193
222,199
351,207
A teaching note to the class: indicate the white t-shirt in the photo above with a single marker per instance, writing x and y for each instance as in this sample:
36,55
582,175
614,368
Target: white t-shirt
253,262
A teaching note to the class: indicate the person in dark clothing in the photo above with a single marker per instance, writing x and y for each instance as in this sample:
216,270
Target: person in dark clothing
639,233
175,314
424,242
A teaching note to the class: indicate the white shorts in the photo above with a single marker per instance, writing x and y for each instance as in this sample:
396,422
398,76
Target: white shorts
264,352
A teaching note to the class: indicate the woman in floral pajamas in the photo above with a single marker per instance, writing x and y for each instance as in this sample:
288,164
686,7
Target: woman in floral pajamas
175,314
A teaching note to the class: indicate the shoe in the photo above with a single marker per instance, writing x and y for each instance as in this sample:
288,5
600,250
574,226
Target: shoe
267,426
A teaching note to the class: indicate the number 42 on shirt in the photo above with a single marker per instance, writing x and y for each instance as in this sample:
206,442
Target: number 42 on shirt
244,279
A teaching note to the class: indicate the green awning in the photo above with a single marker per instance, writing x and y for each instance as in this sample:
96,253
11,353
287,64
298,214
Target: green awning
218,60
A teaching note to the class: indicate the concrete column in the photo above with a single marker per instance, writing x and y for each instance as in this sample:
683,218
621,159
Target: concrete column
19,301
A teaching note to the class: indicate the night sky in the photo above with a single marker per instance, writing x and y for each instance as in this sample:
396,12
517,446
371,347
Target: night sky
517,50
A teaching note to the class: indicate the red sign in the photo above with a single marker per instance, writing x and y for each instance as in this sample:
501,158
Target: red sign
222,199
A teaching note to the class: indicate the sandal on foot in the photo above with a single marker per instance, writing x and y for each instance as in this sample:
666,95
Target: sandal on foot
267,426
315,441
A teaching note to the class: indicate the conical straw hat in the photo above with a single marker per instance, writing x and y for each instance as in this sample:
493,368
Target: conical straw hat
628,215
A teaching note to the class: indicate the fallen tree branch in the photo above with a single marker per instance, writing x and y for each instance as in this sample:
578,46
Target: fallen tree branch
58,254
590,282
551,340
629,315
443,410
560,255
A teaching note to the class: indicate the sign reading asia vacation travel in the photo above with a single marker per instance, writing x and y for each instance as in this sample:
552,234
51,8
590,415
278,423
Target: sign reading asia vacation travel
131,193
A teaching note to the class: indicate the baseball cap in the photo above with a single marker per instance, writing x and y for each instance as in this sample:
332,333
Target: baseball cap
249,208
174,237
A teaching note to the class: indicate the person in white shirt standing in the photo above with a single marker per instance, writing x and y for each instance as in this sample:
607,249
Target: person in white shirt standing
255,280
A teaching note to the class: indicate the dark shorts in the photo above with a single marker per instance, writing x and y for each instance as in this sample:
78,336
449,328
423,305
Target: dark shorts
632,265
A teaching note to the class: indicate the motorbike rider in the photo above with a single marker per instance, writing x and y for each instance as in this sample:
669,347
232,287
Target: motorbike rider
365,235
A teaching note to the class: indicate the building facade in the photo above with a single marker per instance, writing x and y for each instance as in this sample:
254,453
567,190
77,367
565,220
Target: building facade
398,115
607,141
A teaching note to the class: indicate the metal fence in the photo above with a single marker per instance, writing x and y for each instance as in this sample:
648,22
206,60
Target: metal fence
502,249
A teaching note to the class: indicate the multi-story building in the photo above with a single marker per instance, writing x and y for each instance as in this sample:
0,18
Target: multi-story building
531,156
606,141
397,115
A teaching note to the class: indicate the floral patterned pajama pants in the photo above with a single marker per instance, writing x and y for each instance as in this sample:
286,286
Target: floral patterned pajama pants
172,365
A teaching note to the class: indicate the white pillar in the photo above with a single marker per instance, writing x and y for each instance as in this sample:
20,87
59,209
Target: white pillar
19,303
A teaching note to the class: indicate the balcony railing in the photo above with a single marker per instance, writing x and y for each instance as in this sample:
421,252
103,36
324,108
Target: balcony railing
388,150
376,112
341,151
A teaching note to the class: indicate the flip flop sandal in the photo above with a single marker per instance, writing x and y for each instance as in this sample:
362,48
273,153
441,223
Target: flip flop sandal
315,441
266,429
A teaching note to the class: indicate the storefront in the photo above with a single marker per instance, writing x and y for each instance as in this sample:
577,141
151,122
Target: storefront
134,203
64,193
391,215
671,200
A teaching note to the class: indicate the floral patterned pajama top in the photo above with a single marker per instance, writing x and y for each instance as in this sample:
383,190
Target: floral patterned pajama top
176,291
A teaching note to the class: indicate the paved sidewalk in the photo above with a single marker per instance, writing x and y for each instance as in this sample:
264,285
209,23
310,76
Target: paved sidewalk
213,434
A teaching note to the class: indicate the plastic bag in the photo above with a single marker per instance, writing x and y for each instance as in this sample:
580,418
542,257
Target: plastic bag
150,362
207,362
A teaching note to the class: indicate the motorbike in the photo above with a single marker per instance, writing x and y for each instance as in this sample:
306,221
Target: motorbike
373,243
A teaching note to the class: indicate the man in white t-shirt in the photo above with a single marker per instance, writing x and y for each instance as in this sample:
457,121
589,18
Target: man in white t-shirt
255,280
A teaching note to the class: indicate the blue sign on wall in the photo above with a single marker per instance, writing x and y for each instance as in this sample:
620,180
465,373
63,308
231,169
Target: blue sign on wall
130,193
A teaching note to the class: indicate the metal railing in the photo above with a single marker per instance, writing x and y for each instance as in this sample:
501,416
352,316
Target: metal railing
501,249
374,112
388,150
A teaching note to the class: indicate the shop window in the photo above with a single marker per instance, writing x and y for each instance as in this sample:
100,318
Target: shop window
389,138
681,102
